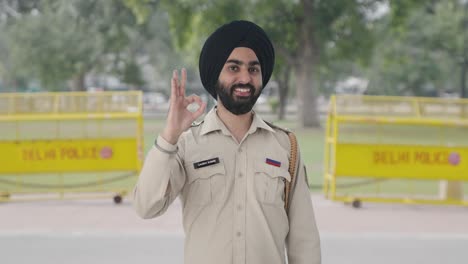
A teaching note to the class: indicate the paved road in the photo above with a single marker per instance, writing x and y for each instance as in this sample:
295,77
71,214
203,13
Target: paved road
80,248
96,231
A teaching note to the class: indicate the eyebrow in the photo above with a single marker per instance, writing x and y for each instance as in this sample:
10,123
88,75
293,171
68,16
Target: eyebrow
238,62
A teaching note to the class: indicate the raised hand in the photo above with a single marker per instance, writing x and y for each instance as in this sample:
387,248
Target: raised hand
179,117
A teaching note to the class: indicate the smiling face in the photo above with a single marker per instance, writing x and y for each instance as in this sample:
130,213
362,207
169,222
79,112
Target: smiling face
240,81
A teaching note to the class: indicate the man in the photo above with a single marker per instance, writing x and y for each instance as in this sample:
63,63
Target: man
230,170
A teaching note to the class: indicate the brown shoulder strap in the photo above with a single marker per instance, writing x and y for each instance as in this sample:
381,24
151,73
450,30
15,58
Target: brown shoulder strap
293,159
293,165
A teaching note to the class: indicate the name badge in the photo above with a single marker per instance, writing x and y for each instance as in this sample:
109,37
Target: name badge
205,163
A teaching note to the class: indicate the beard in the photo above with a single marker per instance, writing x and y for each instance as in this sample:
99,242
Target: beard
234,104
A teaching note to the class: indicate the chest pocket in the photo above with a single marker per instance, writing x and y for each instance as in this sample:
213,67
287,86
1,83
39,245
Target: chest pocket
206,184
269,183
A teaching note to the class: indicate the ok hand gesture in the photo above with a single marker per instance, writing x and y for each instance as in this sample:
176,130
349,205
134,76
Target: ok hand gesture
179,117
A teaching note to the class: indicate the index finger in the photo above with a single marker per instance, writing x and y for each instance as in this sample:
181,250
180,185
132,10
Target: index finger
174,85
183,81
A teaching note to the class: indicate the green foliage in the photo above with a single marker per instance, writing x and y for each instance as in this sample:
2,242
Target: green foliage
63,40
191,22
420,55
274,104
132,74
341,30
44,51
141,8
417,47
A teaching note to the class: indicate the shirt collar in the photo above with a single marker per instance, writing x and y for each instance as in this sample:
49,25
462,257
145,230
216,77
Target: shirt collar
213,123
257,122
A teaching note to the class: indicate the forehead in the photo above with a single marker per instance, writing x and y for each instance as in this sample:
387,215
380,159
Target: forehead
243,54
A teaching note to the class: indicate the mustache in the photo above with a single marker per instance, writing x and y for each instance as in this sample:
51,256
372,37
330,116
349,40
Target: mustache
239,85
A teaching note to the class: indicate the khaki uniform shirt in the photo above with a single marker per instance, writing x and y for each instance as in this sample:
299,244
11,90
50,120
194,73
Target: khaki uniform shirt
232,195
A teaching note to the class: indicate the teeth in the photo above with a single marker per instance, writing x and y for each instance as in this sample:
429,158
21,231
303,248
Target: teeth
243,90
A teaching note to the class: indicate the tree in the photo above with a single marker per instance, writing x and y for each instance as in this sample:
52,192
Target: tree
311,35
11,78
160,49
283,76
419,52
306,33
59,40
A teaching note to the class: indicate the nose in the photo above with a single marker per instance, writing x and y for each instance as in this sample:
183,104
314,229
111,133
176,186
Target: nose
244,76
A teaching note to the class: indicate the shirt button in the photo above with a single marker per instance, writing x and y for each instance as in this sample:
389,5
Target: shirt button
240,150
240,175
239,207
239,234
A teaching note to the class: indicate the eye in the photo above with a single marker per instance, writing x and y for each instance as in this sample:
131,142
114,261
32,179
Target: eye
233,68
254,69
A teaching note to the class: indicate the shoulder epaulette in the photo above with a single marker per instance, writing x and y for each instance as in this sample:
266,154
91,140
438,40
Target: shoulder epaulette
287,131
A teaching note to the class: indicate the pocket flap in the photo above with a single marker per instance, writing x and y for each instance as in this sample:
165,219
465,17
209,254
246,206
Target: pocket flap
272,171
204,172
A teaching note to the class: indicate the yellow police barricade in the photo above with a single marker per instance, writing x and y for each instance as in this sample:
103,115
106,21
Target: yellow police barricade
69,145
396,149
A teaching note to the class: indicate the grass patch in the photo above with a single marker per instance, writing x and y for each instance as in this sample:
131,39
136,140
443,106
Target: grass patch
68,182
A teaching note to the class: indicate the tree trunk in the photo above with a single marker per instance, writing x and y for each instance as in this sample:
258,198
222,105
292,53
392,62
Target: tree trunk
307,61
78,83
15,85
463,79
283,89
465,51
463,87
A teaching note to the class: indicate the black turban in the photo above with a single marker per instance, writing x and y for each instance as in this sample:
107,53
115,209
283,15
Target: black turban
224,40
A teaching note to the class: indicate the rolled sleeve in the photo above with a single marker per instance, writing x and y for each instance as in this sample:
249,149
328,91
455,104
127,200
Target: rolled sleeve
160,181
165,146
